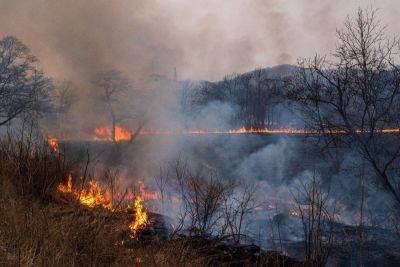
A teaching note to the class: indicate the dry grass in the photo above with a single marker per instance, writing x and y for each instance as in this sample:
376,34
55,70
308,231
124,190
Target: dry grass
34,234
40,226
43,227
200,251
31,167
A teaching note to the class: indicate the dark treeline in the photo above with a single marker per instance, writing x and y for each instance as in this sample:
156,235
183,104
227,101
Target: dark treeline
355,92
258,97
357,89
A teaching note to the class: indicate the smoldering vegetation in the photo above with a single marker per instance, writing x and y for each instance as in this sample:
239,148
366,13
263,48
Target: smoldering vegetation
282,166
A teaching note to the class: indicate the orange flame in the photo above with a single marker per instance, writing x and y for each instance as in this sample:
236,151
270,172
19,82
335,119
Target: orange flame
146,195
53,143
295,213
105,134
323,213
122,134
66,188
102,134
94,195
141,218
91,196
229,132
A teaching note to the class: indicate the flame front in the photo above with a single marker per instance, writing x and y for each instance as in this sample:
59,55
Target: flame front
66,188
295,213
122,134
53,143
141,218
94,195
105,134
146,195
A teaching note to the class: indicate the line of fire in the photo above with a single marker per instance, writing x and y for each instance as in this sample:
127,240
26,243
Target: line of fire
199,133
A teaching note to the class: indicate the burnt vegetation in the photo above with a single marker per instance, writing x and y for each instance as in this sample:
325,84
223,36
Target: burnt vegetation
62,201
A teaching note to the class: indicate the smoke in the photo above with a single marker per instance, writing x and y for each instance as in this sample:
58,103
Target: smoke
202,39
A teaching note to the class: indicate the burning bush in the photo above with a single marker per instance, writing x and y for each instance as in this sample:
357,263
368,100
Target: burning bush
42,227
94,195
54,214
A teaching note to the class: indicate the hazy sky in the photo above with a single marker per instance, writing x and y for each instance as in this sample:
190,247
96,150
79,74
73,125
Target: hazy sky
203,39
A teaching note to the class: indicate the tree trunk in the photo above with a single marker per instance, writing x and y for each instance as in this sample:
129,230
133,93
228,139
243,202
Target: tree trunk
113,120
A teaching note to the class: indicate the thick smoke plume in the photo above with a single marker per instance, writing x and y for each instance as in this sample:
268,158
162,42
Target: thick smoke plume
203,39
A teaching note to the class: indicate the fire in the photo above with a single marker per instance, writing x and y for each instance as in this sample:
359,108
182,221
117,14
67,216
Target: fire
295,213
323,213
146,195
143,193
391,130
66,188
122,134
93,195
102,134
53,143
141,218
238,131
105,134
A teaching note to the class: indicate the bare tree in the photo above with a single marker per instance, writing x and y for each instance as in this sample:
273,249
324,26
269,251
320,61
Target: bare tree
353,98
317,220
261,93
111,178
114,86
238,207
361,222
63,99
255,94
24,90
161,181
231,84
202,199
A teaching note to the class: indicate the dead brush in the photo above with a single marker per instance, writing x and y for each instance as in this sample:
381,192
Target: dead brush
58,235
31,166
39,226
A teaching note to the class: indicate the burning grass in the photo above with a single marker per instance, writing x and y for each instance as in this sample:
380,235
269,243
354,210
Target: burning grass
105,134
42,227
59,234
48,222
95,195
92,195
141,218
123,134
51,216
